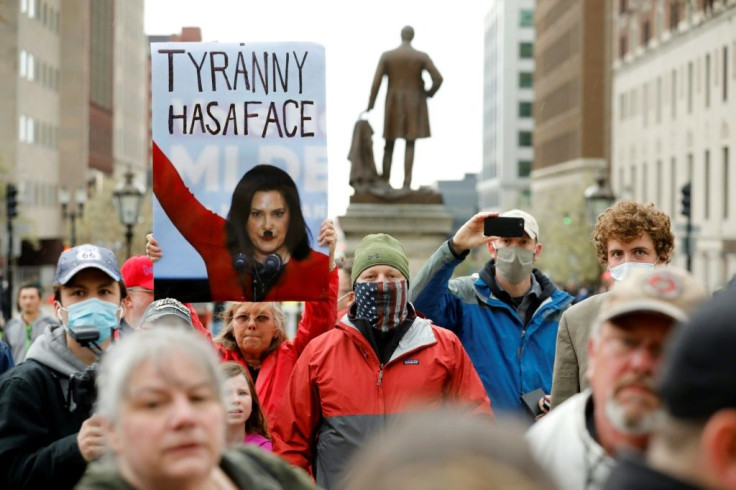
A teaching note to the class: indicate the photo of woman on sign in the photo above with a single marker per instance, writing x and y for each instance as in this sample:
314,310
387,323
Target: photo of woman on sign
261,251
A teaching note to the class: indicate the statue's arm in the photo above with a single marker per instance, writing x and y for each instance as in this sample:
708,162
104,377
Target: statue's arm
377,78
434,73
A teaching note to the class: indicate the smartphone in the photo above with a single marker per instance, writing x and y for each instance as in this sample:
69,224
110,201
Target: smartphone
531,401
503,226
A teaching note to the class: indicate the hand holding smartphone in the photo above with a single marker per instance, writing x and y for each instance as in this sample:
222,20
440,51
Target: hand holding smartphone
503,226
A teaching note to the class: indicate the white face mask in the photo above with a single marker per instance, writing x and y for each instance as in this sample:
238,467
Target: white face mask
620,272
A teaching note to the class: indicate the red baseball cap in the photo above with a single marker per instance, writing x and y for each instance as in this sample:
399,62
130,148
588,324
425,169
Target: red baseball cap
138,271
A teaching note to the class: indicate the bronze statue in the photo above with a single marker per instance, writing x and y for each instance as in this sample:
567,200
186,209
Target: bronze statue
406,113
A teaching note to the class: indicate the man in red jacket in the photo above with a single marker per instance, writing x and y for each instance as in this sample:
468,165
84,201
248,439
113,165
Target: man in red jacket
380,360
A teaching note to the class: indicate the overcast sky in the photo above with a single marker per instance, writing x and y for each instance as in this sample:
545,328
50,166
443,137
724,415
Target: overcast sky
354,35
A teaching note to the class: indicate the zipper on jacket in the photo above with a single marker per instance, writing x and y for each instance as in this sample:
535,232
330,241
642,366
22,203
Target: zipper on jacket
380,376
520,351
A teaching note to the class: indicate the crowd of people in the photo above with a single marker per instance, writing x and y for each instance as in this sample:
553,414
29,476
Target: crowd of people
392,380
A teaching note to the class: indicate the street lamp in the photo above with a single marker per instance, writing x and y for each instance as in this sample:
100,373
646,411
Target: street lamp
72,212
127,198
598,197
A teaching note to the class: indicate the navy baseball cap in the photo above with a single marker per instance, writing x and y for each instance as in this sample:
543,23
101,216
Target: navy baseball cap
698,371
83,257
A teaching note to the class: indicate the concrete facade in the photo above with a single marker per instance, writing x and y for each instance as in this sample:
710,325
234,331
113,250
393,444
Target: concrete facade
674,120
130,103
508,101
571,137
56,76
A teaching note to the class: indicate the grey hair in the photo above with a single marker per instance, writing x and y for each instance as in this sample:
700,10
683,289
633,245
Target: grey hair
155,346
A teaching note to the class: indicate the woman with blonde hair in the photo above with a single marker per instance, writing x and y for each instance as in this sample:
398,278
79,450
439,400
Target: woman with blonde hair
254,335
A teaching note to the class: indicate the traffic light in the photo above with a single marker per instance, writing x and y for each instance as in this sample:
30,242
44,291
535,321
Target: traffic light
11,201
685,200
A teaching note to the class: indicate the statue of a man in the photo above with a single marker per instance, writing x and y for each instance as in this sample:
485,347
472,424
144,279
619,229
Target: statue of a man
406,113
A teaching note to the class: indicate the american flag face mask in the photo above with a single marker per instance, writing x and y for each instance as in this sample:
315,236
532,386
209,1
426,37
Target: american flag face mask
382,304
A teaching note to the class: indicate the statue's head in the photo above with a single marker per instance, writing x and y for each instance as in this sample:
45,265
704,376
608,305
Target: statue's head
407,33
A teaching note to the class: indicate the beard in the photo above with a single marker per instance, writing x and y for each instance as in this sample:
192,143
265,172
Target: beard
637,414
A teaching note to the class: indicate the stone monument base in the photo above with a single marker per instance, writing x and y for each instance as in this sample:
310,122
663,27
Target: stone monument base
420,228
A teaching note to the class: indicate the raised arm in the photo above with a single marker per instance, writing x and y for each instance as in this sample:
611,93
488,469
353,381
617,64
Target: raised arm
191,218
320,316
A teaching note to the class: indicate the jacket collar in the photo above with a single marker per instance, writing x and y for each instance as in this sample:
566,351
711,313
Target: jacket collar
419,335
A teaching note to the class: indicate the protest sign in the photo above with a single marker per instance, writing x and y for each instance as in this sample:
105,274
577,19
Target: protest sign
239,158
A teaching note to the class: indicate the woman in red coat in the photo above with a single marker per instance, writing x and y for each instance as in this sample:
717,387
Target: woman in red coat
261,251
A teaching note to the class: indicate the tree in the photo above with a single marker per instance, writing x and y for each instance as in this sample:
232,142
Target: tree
100,224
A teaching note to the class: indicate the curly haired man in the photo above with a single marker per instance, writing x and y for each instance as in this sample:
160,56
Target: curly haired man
627,235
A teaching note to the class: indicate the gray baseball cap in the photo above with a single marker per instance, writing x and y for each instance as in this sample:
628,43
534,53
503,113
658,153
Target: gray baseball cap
83,257
162,308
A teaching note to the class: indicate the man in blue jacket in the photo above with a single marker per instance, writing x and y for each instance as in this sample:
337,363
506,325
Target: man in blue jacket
506,315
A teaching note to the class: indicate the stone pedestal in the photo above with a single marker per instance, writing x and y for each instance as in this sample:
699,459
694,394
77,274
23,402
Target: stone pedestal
420,228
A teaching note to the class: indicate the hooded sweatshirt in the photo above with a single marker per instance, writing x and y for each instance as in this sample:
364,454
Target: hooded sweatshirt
39,419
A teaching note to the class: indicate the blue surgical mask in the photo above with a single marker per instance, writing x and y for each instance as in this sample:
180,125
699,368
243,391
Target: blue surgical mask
93,313
620,272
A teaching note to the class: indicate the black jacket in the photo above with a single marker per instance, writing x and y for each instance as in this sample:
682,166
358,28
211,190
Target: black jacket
632,473
39,425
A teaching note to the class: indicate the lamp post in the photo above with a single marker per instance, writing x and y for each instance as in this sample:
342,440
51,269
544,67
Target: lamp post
72,210
127,198
598,197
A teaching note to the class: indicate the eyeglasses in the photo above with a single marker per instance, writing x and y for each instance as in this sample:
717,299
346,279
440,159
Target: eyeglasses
259,319
140,290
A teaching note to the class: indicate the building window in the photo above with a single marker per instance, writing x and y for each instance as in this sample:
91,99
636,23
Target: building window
622,6
706,185
526,18
30,67
707,80
22,128
644,183
31,8
525,138
645,33
645,103
23,63
658,109
23,6
525,168
674,93
674,15
726,178
690,87
622,46
30,130
725,73
525,109
622,106
526,79
673,187
526,50
632,99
